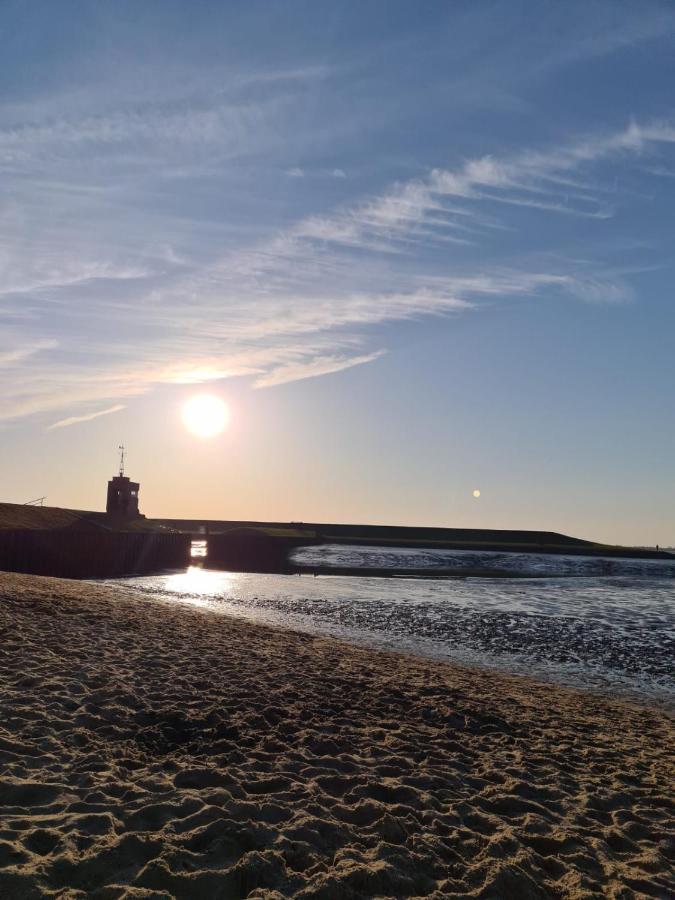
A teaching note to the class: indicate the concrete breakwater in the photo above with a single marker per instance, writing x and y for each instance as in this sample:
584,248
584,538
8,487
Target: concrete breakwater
91,554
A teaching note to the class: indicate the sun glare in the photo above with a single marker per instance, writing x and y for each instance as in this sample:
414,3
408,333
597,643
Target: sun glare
205,415
476,493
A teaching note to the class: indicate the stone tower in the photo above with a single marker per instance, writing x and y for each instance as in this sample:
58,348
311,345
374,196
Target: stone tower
122,500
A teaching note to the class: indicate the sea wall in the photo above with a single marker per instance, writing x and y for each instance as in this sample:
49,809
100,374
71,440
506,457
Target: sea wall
247,550
95,554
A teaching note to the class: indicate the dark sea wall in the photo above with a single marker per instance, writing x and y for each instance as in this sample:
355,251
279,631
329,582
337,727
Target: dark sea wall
95,554
247,550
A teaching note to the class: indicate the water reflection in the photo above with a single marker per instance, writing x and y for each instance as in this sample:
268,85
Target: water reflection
197,583
198,549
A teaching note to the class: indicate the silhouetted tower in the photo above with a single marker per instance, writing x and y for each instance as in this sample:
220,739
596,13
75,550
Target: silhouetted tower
122,494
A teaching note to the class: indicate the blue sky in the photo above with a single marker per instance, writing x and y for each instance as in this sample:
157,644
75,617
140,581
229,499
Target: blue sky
418,248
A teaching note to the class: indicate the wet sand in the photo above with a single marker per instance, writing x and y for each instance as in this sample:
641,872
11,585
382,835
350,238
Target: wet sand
153,750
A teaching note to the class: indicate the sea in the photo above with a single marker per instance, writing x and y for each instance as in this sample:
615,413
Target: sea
601,624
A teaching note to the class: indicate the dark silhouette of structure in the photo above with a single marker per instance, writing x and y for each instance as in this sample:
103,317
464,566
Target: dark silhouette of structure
122,500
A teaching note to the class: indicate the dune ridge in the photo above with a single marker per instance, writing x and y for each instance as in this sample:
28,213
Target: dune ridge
154,750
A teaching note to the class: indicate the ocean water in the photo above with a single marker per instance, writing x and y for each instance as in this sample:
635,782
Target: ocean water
602,625
523,563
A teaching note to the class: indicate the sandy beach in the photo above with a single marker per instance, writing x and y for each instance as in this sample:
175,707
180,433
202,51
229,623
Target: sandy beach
153,750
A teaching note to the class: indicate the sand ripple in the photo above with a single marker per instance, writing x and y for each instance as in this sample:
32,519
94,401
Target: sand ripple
150,750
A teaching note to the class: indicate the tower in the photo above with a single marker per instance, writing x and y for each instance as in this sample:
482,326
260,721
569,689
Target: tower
122,500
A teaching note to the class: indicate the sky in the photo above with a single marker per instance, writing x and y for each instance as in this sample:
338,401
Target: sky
418,249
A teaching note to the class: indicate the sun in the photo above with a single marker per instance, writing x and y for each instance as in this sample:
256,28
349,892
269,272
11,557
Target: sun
476,493
205,415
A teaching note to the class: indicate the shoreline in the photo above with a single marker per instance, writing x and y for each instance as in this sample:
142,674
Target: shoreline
153,749
571,672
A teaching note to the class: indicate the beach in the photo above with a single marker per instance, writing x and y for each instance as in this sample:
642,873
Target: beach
149,749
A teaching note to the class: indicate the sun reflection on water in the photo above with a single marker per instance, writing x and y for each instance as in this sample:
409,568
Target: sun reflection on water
199,582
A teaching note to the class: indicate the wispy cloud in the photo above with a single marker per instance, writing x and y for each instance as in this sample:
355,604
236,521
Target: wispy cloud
443,202
19,354
202,301
76,420
312,368
218,110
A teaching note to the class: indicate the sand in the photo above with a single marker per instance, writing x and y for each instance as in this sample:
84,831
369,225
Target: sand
149,749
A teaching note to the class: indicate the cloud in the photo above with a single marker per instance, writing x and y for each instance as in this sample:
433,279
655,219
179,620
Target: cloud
599,290
75,420
605,33
447,199
47,273
198,373
189,115
297,172
320,365
203,300
19,354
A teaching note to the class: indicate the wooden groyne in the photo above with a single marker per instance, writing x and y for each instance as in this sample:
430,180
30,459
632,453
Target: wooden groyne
91,554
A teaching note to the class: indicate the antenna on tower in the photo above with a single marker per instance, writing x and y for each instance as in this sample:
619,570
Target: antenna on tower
121,449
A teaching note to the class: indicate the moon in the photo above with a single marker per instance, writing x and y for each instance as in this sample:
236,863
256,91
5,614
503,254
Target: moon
476,493
206,415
